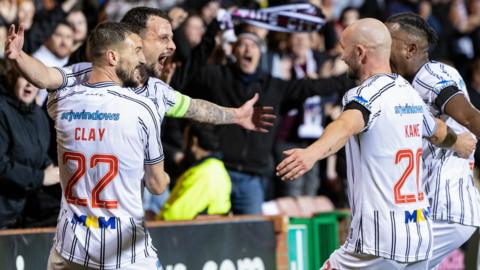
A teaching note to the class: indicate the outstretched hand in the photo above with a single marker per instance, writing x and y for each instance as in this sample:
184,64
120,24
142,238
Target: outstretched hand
465,145
14,42
296,163
255,118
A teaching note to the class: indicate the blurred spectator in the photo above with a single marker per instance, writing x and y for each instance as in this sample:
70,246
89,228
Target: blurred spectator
205,187
26,12
193,29
55,52
464,16
78,21
8,11
300,126
188,36
39,26
348,16
208,10
24,164
44,25
116,9
57,49
178,16
248,159
187,61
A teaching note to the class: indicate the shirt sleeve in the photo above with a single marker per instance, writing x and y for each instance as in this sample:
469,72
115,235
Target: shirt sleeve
445,94
180,106
354,99
150,124
74,74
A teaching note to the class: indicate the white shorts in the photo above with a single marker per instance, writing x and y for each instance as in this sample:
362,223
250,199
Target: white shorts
447,237
57,262
340,259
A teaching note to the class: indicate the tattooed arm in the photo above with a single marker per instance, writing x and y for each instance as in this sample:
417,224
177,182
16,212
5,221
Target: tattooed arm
204,111
246,116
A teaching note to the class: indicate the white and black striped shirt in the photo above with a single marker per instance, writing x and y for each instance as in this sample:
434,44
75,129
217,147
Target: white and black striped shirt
163,96
448,179
389,212
105,135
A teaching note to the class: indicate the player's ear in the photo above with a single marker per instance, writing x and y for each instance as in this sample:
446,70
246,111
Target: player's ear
113,57
360,52
411,50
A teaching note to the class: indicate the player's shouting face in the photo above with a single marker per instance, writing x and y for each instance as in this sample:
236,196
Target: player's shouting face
131,65
157,44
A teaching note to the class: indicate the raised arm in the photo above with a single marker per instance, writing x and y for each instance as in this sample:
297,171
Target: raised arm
299,161
247,116
298,90
32,69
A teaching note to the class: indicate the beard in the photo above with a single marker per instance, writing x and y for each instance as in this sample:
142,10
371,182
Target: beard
353,73
152,71
131,79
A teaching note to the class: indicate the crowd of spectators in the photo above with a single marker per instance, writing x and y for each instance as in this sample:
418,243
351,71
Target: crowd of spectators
300,74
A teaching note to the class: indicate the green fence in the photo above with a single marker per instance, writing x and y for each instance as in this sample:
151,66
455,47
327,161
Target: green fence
312,240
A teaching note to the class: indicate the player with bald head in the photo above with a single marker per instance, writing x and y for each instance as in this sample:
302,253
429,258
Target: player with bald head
449,185
367,37
382,126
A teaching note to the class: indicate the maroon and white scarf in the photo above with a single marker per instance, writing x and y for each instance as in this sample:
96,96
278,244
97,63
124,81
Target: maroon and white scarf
284,18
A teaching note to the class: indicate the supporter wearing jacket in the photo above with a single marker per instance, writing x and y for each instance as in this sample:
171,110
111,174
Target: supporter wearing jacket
24,139
247,155
204,188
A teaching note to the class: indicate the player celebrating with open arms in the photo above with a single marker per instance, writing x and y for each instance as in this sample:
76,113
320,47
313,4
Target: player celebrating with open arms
155,30
383,125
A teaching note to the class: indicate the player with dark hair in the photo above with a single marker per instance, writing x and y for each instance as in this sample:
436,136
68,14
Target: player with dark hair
155,30
108,146
448,179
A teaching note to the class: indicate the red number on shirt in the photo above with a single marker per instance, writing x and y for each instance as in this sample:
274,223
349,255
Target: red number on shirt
80,159
413,161
112,162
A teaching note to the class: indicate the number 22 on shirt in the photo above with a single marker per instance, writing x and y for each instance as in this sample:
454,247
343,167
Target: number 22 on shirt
81,162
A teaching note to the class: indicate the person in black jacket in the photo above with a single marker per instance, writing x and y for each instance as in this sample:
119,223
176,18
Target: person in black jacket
247,155
24,139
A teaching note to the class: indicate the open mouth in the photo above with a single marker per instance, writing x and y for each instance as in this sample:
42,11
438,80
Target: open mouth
161,62
247,59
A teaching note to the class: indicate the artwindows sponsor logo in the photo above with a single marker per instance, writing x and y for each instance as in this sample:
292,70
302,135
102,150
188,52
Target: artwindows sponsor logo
94,221
417,215
408,109
361,100
443,84
84,115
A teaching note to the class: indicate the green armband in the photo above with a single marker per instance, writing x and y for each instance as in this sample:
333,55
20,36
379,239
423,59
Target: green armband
182,103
